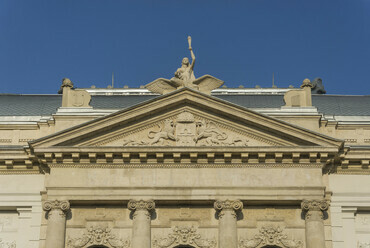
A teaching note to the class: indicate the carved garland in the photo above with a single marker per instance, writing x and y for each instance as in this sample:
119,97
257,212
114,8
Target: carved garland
4,244
270,236
98,236
184,236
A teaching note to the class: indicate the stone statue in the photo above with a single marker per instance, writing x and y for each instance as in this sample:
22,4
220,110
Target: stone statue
317,87
184,77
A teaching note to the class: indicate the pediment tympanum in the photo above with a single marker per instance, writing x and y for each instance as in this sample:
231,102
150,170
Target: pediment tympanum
186,127
186,118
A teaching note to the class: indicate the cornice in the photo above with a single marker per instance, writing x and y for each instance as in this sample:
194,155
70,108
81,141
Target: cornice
178,155
181,98
147,149
184,166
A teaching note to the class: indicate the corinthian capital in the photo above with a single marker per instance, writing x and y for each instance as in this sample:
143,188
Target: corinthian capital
148,205
314,205
228,205
61,205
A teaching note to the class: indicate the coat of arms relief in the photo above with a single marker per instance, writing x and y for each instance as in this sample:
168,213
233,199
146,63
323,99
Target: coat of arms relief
186,129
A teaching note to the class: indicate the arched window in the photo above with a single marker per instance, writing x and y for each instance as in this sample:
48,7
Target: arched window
97,246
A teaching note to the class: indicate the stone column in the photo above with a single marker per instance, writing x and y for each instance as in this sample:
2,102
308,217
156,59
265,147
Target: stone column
56,230
314,216
227,231
141,235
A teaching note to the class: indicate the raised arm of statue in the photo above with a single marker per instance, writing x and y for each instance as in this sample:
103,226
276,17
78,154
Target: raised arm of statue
191,53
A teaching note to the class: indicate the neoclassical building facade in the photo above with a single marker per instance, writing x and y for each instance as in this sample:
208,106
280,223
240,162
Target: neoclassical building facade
184,167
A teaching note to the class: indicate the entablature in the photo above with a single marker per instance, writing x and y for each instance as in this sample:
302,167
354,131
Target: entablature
355,160
17,160
190,156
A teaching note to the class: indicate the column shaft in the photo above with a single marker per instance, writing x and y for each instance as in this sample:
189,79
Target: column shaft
314,218
55,234
227,232
141,231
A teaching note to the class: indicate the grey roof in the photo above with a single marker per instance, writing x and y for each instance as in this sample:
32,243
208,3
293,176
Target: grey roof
344,105
43,105
29,105
118,102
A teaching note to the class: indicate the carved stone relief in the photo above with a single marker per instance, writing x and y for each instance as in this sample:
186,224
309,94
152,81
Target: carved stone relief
4,222
97,235
4,244
363,220
270,235
8,229
184,236
187,130
364,245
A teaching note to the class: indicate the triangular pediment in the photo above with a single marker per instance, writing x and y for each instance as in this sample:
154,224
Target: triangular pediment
186,118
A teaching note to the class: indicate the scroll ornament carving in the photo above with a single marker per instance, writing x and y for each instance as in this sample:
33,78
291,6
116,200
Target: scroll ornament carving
270,236
4,244
314,205
184,236
98,236
56,205
227,204
148,205
186,130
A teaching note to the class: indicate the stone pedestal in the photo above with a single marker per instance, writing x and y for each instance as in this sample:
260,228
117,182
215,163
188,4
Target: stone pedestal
141,235
315,234
55,234
227,231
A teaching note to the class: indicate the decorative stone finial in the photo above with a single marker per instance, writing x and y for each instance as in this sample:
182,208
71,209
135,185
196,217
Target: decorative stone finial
74,98
306,83
66,82
184,77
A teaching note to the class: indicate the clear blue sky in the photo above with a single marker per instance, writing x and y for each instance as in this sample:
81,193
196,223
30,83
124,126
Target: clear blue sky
240,42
